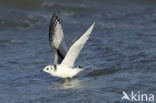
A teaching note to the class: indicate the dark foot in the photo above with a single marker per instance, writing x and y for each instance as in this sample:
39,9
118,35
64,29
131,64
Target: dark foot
68,79
63,80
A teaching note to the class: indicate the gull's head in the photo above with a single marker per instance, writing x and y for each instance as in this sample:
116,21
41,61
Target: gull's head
51,69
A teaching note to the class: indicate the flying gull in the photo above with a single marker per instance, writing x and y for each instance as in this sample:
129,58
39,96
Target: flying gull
64,59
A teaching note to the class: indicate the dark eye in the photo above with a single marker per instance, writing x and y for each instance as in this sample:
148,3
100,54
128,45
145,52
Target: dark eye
47,68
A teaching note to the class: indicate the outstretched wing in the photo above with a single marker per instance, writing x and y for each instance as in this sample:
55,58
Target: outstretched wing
56,40
75,49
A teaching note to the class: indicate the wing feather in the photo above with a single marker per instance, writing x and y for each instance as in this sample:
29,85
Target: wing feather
56,40
75,49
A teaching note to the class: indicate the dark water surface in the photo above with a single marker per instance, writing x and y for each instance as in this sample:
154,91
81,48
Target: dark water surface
121,52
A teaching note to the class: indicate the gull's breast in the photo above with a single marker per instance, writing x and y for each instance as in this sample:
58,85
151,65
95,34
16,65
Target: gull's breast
65,72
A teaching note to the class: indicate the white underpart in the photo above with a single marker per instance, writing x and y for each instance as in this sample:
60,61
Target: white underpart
64,72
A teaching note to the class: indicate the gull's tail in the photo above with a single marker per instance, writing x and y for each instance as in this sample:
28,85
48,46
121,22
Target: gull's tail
83,68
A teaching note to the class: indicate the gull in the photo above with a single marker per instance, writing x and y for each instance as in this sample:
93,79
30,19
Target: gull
64,59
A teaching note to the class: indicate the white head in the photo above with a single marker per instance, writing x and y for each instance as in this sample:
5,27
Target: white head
51,69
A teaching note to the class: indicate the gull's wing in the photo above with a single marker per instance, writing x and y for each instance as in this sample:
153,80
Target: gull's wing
56,40
75,49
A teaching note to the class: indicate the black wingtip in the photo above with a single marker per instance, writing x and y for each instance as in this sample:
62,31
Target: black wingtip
54,16
54,20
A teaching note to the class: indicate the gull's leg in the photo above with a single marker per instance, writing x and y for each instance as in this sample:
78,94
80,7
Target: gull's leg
65,80
69,79
62,80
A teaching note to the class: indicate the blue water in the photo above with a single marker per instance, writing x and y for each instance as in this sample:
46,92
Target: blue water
121,52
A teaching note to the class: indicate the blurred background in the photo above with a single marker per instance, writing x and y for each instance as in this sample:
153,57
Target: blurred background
121,52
